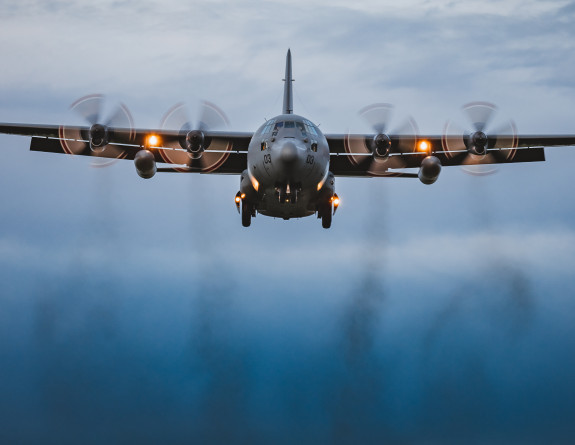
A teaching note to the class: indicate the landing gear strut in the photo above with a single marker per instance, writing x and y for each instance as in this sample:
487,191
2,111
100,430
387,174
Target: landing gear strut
288,194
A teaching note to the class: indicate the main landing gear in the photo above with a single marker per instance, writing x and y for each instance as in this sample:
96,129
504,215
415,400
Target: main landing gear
326,215
327,209
247,210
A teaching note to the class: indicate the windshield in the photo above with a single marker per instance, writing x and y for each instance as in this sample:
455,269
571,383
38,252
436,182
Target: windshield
268,126
305,127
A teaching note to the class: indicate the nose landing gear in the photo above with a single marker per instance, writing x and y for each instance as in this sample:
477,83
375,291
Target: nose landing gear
287,194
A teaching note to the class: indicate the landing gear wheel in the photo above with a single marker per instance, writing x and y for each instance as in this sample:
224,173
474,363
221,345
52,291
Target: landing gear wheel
246,214
326,216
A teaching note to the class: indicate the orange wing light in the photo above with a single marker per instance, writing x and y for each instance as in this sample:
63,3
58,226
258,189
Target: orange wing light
424,146
152,141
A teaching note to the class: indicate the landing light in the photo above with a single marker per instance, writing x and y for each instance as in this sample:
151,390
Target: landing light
335,202
255,183
238,200
424,146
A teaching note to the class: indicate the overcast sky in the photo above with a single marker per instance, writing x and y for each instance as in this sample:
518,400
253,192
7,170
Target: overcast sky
135,310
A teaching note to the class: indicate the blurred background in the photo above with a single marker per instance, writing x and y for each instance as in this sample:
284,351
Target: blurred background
141,311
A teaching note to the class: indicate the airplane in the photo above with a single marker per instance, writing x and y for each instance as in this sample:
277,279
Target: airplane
287,167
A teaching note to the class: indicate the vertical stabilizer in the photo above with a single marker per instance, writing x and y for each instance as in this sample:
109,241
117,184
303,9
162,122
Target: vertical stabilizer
288,92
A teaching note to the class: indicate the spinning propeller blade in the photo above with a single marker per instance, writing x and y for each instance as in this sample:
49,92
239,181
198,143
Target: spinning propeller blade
90,109
385,148
194,149
475,139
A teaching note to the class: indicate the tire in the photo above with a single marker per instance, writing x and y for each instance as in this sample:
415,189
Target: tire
246,214
326,216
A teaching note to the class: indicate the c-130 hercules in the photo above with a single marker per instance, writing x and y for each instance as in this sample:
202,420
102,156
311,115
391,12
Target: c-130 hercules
288,166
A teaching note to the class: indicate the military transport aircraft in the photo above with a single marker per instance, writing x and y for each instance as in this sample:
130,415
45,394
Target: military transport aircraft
288,166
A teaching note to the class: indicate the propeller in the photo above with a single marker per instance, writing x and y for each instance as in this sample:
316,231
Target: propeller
119,125
475,140
384,150
194,148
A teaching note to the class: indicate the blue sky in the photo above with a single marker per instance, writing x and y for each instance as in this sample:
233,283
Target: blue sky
142,310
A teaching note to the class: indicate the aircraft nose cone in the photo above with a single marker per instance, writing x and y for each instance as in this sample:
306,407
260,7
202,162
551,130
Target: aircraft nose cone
288,153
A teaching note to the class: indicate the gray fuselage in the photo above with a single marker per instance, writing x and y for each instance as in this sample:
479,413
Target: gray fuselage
288,166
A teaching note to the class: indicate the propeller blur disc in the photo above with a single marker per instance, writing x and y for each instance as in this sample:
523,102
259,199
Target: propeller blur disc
480,117
403,137
209,118
75,140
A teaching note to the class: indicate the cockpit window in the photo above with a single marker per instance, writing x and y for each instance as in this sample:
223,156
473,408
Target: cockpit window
310,128
268,127
306,127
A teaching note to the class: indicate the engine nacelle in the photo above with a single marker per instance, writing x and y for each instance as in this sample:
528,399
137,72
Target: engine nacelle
477,143
99,136
145,163
430,169
194,143
381,145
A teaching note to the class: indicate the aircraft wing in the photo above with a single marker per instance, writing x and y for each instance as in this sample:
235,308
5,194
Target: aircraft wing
226,152
352,155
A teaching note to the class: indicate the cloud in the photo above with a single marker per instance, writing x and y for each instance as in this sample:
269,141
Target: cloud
369,46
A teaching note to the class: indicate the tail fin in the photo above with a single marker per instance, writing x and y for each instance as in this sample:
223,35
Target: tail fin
288,92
